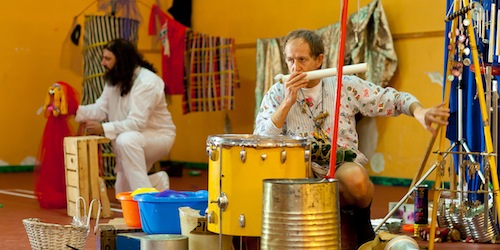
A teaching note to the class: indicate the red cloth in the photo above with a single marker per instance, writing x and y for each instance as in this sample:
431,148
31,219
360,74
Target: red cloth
173,60
156,16
49,172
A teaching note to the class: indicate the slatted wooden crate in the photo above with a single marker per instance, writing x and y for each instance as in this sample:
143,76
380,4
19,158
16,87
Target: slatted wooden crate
81,160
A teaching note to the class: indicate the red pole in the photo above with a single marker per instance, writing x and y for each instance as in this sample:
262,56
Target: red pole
340,65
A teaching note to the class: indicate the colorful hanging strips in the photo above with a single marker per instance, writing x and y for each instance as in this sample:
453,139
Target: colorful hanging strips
211,73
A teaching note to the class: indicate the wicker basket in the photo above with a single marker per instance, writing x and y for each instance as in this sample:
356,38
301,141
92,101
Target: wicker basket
53,236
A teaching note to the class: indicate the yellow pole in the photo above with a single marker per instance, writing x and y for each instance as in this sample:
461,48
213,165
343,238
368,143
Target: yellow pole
442,131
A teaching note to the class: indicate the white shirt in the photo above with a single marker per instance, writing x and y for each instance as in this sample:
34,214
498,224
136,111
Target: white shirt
143,108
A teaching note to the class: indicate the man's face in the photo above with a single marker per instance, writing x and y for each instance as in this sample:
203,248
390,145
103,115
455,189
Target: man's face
298,56
108,59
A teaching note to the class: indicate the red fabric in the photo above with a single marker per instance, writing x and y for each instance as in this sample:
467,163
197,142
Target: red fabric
49,172
156,13
172,62
173,65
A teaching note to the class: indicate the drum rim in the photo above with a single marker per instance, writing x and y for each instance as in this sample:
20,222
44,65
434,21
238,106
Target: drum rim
254,140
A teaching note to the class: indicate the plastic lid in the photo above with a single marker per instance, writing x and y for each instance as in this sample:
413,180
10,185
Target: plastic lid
144,190
174,196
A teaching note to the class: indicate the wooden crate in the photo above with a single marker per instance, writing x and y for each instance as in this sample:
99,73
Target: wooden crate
81,160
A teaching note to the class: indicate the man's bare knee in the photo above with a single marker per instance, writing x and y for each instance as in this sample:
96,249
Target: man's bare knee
355,185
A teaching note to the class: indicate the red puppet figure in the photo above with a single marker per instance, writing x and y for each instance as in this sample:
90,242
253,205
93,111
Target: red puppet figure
61,103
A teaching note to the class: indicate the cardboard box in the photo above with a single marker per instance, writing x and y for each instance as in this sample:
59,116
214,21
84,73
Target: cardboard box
129,241
201,227
107,233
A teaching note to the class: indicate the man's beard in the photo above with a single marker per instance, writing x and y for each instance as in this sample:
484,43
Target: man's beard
112,76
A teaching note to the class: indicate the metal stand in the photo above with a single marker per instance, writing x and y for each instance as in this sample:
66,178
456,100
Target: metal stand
462,145
414,187
441,165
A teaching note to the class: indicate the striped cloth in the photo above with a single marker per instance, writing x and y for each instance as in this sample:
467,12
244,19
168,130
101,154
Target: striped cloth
211,73
98,31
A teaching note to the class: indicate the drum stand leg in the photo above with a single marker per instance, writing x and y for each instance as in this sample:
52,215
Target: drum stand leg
440,164
413,188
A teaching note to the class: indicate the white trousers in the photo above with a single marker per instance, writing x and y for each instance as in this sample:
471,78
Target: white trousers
136,152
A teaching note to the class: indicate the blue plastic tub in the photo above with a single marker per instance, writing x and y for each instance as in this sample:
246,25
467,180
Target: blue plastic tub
159,212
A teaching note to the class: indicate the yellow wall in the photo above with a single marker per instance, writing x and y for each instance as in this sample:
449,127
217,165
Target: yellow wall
33,37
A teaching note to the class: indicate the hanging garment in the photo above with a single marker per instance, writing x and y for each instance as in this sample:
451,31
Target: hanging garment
269,63
122,8
50,181
211,73
172,36
173,40
71,52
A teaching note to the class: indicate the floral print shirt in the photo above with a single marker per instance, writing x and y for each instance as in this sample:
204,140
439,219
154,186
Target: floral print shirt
357,96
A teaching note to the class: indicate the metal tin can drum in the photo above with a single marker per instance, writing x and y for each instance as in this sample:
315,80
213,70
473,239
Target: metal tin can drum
421,212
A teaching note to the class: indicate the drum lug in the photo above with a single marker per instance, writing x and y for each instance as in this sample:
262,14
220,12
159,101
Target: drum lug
242,220
263,157
243,155
222,201
307,152
283,156
211,217
212,153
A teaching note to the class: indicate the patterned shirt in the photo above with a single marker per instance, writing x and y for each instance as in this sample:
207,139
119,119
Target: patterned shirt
357,96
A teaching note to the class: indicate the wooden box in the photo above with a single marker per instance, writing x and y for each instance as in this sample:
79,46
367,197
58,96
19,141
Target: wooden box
81,160
108,233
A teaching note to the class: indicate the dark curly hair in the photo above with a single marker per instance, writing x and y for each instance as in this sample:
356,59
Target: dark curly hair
127,59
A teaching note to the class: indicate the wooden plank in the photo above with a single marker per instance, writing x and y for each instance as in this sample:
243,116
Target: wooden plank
72,193
71,173
71,162
72,178
83,173
93,167
106,207
70,145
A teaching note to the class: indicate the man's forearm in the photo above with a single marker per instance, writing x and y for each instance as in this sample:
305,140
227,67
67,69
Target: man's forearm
280,114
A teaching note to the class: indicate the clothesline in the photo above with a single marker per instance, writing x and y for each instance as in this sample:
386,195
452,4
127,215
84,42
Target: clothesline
401,36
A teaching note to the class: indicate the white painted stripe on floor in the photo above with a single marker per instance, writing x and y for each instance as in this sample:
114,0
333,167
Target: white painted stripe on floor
116,210
23,191
17,194
29,194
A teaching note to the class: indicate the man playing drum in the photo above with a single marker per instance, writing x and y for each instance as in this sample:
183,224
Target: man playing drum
302,107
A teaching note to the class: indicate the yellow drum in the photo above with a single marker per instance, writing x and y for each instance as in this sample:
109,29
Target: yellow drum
238,164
